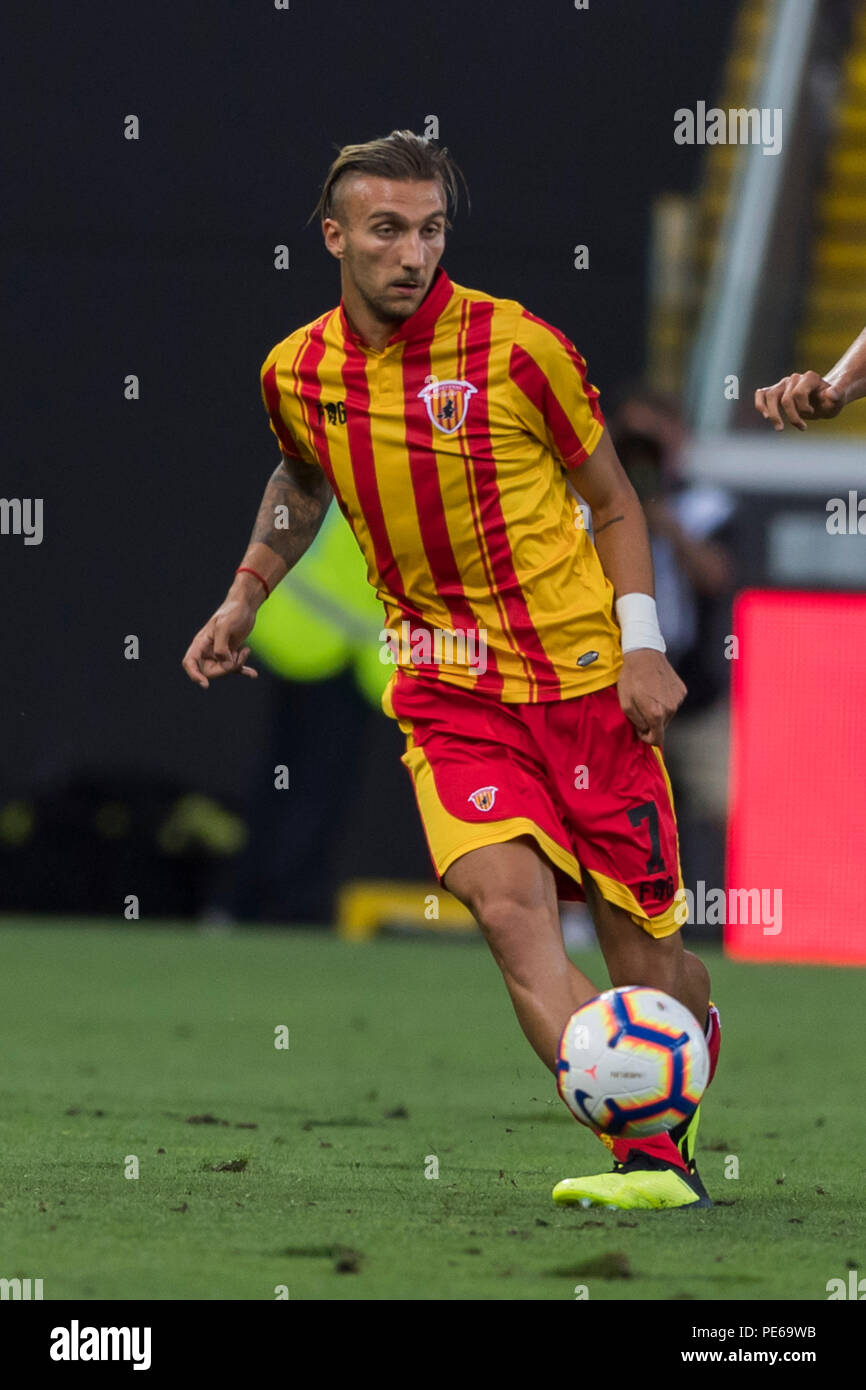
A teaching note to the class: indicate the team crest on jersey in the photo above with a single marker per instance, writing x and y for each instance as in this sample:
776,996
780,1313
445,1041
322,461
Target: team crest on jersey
484,798
447,403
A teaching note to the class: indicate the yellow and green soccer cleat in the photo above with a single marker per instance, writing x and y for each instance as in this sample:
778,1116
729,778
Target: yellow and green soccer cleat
685,1136
643,1183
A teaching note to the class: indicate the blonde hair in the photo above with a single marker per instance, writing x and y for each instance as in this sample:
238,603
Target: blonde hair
402,155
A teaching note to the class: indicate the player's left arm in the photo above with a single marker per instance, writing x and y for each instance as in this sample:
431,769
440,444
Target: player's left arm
650,691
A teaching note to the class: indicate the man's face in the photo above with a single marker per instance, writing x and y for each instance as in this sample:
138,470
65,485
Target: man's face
389,236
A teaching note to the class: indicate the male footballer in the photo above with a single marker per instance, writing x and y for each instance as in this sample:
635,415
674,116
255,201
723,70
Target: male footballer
456,431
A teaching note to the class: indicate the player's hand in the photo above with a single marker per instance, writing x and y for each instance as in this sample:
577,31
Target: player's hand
801,393
218,649
650,693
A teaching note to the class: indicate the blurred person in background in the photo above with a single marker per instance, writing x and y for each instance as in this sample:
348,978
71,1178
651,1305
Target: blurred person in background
690,528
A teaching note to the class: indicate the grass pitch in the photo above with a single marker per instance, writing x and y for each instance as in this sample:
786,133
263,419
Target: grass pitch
264,1168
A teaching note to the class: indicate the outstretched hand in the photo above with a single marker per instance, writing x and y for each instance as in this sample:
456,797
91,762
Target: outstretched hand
801,393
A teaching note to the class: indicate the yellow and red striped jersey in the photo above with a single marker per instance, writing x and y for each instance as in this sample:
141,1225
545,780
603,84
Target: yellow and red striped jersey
448,452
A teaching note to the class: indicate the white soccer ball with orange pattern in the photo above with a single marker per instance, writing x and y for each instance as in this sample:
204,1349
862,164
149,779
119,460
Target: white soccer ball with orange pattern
632,1062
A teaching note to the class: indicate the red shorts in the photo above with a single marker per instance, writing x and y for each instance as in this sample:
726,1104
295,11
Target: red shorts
571,773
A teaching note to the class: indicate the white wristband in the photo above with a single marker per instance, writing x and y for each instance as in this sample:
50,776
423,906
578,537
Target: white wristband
638,620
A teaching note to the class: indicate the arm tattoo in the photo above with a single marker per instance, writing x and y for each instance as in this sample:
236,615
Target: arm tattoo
599,529
292,509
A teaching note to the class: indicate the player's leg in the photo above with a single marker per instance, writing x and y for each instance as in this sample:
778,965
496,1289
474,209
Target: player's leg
495,834
656,1172
634,957
626,841
510,890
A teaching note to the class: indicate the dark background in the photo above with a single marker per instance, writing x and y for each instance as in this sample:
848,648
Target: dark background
155,257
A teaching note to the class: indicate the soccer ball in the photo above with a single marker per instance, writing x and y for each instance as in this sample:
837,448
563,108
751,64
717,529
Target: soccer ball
632,1062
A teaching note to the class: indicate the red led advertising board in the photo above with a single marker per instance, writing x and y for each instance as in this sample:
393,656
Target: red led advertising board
796,855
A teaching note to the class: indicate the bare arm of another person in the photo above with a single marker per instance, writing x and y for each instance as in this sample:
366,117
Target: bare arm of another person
818,398
296,490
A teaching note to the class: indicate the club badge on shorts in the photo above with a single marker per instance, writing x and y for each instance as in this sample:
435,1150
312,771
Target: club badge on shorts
484,798
447,402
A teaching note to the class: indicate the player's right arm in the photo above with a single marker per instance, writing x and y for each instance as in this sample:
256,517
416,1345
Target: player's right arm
299,491
818,398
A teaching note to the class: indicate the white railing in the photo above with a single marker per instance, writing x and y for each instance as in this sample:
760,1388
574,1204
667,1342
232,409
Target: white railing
741,253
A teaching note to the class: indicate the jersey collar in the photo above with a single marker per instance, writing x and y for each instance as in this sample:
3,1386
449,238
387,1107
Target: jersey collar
417,324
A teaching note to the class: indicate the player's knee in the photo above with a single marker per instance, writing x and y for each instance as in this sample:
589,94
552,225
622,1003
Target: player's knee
500,913
513,925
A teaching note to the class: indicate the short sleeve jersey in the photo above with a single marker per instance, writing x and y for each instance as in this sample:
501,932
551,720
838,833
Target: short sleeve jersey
455,453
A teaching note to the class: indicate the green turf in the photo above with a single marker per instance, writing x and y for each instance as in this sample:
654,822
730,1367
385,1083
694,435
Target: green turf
111,1037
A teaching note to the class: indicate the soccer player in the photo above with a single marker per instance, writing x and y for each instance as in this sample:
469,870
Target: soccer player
453,427
819,398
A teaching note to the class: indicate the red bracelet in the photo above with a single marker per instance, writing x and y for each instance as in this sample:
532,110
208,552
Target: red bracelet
245,569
